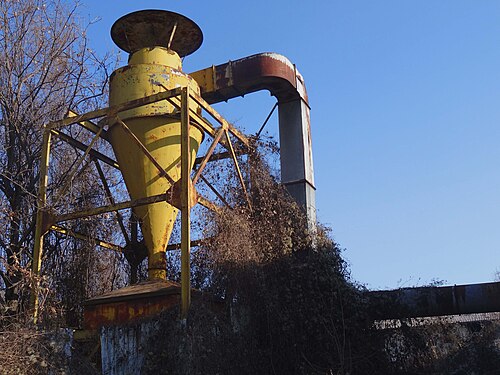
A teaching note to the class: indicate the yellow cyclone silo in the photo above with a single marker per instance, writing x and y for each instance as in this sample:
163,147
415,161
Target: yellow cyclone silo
152,68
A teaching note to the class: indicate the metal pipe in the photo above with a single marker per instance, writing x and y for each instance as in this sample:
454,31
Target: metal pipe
435,301
273,72
263,71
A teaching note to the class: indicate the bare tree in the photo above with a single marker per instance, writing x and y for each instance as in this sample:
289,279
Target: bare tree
46,68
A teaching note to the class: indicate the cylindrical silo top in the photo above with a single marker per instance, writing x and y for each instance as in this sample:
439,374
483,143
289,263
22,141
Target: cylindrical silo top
157,28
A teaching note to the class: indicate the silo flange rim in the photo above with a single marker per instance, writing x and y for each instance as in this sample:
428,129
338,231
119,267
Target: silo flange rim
152,28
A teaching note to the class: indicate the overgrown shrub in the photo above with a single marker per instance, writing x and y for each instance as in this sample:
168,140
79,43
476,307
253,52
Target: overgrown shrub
441,346
285,303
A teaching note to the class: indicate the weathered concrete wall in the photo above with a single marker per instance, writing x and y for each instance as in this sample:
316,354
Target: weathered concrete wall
121,348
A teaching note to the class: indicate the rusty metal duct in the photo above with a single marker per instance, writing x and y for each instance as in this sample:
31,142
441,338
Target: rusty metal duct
273,72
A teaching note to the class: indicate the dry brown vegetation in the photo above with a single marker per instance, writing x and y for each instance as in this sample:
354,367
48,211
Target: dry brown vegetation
278,299
46,69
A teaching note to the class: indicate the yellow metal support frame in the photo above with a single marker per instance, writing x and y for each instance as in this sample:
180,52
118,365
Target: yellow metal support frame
39,229
179,97
185,206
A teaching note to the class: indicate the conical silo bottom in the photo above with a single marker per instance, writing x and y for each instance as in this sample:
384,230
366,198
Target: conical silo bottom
162,137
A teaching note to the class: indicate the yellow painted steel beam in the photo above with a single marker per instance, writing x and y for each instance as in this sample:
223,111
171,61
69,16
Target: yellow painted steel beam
208,155
111,200
165,197
39,229
82,147
218,156
113,110
177,246
214,190
161,171
185,206
205,123
196,118
238,171
241,137
80,236
208,204
89,125
112,246
72,174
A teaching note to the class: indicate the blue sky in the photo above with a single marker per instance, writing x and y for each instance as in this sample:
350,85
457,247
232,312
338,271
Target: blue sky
405,99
